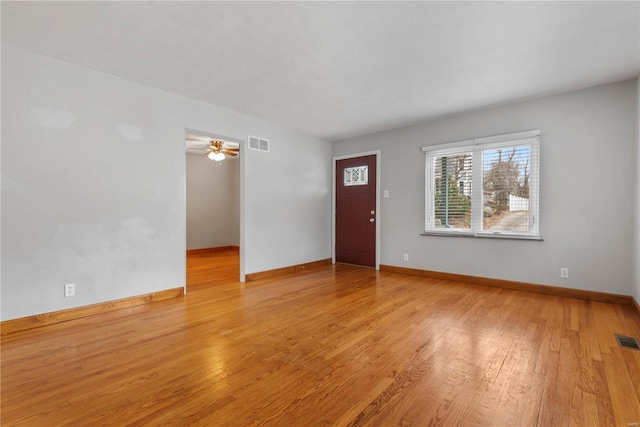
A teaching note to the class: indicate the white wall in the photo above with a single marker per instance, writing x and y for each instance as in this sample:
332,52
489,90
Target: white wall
299,172
588,163
213,202
636,253
93,187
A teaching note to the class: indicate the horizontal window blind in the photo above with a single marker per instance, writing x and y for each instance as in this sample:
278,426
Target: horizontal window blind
452,185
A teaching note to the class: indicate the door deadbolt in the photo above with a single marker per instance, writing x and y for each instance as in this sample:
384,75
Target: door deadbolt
371,220
373,212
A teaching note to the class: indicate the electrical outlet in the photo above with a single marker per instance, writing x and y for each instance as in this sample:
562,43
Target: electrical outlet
406,257
69,289
564,272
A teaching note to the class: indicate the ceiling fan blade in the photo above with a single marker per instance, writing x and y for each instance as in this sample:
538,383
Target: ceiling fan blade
229,153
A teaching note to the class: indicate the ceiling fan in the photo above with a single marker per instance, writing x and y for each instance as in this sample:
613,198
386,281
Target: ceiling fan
216,149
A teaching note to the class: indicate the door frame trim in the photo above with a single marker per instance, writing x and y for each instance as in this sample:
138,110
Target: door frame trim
376,153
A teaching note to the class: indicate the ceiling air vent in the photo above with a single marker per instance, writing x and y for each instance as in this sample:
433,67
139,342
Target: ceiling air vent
258,144
628,342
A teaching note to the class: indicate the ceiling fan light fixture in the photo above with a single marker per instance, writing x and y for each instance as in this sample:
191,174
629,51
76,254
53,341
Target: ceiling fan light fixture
216,156
212,155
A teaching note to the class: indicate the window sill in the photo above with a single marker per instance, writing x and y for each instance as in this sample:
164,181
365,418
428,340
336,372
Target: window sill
483,235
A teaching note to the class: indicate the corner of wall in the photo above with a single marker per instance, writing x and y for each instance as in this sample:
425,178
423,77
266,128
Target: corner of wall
636,248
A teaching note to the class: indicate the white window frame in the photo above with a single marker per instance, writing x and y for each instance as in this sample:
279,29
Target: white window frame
477,147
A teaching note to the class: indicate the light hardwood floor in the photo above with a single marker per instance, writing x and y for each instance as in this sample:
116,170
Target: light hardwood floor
340,346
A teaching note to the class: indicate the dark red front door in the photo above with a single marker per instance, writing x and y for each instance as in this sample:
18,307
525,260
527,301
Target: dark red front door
356,214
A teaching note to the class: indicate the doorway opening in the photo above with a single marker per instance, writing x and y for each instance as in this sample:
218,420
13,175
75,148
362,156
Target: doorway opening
212,207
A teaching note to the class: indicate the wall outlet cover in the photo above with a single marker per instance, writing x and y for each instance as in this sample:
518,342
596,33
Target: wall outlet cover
69,289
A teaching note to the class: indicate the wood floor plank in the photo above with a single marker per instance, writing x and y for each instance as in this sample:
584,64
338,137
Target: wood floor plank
590,410
551,400
564,385
576,412
339,346
483,404
626,403
604,401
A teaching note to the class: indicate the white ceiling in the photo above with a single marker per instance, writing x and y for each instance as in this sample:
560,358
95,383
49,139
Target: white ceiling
340,69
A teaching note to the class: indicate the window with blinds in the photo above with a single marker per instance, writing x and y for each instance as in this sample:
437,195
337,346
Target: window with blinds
452,190
486,187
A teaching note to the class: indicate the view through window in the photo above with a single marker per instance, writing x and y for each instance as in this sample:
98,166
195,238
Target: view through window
486,186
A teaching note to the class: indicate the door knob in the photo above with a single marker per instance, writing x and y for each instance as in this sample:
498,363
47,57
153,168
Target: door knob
371,220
